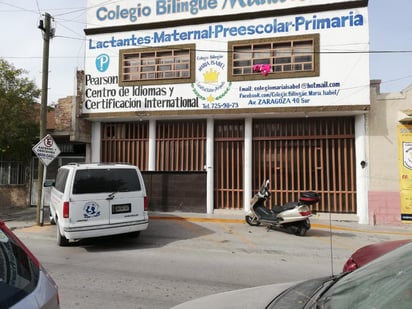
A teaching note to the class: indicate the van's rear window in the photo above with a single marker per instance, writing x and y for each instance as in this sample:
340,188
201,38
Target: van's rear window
105,180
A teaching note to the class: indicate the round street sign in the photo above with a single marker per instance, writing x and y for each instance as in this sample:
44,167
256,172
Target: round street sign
46,150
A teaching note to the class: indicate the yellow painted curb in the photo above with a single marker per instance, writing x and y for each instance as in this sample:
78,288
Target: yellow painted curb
195,219
314,225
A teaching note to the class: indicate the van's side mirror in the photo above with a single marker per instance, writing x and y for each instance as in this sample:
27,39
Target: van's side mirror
49,183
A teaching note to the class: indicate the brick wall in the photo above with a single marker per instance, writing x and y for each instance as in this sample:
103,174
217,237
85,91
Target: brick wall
14,196
63,114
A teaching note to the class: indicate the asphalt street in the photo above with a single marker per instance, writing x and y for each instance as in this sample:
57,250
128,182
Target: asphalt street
186,255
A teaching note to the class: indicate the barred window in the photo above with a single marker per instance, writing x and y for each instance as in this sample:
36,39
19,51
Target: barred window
12,173
145,66
288,57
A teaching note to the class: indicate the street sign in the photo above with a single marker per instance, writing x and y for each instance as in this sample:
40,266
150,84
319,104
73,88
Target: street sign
46,150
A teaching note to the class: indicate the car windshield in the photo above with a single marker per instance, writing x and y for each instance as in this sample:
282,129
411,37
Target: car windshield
18,274
383,283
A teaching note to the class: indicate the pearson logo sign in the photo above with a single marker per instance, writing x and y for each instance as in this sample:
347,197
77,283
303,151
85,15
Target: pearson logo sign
102,62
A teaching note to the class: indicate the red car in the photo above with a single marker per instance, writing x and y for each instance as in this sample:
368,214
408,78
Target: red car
368,253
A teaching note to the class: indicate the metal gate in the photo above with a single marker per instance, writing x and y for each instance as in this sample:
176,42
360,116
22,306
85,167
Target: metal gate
307,154
181,145
229,162
294,154
126,142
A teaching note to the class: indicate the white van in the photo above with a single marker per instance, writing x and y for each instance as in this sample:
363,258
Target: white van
93,200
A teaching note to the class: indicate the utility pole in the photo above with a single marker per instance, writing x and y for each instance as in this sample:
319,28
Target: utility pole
48,33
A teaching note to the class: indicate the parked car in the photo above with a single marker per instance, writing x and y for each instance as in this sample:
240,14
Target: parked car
368,253
382,283
93,200
24,283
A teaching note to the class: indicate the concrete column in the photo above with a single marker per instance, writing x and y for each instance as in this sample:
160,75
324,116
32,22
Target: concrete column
362,170
209,166
248,164
96,142
152,145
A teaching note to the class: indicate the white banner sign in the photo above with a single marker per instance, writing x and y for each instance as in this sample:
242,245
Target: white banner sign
103,13
343,66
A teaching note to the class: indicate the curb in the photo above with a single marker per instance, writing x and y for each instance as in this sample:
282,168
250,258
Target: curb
25,220
314,225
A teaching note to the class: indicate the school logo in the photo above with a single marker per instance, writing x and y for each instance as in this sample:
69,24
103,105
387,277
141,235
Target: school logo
407,154
91,210
102,62
210,86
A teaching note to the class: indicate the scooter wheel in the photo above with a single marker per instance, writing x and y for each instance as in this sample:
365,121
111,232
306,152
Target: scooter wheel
301,231
253,221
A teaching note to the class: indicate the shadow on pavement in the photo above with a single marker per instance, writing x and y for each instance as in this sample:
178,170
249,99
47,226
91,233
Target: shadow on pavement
159,234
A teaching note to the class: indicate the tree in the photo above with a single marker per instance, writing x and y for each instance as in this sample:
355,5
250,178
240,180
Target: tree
19,122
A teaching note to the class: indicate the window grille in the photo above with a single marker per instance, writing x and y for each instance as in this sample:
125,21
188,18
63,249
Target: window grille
288,57
12,173
155,66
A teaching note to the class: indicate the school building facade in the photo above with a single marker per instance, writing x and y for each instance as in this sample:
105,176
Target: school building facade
212,97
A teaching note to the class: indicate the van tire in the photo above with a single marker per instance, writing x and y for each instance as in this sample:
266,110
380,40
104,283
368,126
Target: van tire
51,219
61,240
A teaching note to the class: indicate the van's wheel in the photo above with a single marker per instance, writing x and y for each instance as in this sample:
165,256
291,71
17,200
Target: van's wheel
61,240
253,221
51,219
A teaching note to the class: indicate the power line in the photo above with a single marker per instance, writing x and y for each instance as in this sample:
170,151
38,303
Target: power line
222,51
38,7
18,7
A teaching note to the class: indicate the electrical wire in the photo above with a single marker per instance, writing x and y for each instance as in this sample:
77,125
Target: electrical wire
70,11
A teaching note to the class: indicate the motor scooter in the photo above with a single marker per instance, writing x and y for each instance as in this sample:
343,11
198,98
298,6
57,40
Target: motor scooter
292,217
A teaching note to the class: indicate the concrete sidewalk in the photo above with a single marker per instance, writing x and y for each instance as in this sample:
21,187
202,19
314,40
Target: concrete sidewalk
16,217
343,222
25,217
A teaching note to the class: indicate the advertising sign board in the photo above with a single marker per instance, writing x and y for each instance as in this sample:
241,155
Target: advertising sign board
343,77
101,13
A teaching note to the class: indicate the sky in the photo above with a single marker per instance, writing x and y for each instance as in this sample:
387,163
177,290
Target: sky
22,43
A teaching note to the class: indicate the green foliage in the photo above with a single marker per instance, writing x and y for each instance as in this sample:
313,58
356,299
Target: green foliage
19,125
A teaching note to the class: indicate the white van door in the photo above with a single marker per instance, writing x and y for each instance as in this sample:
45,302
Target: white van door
127,207
128,202
90,197
89,210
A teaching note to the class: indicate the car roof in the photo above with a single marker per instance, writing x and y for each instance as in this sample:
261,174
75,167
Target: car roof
97,165
368,253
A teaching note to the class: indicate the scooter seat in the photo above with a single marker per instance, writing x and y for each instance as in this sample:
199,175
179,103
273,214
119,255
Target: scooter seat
278,209
263,213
